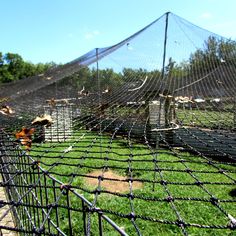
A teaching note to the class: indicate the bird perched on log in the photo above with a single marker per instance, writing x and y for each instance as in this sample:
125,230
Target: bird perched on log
6,110
51,102
24,136
66,101
83,92
107,90
45,120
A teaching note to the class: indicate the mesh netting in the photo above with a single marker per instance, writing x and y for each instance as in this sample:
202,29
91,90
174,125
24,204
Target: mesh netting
133,139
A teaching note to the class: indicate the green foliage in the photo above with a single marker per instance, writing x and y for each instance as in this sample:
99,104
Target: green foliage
13,67
214,52
88,78
203,60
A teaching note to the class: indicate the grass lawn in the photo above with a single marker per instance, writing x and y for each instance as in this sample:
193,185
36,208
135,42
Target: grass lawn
168,186
206,118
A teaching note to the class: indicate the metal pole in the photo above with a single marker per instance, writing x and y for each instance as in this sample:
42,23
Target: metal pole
164,52
100,103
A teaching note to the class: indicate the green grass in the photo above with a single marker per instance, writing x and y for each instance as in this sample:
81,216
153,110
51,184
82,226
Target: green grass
206,118
90,152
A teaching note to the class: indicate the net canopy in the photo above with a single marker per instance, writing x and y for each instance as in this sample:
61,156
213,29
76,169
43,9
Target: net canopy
140,135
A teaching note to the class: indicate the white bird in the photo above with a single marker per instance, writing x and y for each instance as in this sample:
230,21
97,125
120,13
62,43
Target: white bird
107,90
6,110
44,120
81,91
222,60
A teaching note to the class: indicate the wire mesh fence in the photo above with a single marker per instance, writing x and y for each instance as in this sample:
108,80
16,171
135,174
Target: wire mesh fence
133,139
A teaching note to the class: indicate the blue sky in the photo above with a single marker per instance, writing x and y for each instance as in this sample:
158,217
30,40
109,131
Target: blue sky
62,30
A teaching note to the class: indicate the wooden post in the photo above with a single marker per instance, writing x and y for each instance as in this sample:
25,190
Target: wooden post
169,117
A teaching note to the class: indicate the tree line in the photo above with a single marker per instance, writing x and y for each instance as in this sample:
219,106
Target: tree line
13,67
214,52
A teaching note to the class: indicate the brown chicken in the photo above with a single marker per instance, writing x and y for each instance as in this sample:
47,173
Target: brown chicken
25,137
51,102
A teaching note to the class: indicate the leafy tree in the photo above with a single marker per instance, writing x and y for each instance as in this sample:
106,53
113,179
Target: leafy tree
227,51
1,59
215,52
29,69
13,67
5,75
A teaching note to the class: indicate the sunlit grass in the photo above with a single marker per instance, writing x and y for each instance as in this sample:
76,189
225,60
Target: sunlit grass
205,118
91,152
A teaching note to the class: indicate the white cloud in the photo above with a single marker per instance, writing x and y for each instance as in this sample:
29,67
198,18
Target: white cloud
90,35
206,15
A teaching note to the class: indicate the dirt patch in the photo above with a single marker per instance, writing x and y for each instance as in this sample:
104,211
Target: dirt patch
111,185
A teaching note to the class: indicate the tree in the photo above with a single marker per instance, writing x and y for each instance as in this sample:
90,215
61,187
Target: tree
214,52
5,75
227,51
13,67
1,59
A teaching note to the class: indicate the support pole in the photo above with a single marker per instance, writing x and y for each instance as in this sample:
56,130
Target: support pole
163,84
